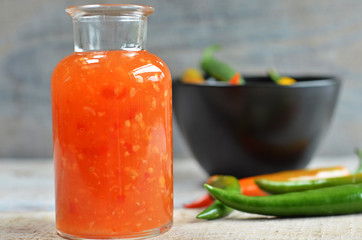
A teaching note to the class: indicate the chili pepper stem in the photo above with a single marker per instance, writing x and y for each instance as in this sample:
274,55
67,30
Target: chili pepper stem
359,154
274,75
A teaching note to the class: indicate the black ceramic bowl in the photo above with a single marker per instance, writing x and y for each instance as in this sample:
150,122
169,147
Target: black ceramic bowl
256,128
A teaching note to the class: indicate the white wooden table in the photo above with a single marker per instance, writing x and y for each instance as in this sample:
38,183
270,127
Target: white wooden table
27,207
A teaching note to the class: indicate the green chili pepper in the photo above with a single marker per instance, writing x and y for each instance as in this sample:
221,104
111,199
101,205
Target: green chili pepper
215,68
280,186
336,200
217,209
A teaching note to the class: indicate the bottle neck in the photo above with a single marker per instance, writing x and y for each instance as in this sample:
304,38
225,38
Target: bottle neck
109,27
102,33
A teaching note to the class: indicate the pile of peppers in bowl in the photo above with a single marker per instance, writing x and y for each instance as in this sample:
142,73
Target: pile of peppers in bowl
220,72
294,193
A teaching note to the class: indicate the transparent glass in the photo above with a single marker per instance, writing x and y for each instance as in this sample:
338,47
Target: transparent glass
112,129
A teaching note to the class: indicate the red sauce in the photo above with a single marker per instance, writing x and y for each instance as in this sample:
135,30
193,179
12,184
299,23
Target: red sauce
112,129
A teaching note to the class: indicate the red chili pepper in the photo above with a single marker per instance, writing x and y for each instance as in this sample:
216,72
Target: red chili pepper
236,79
203,201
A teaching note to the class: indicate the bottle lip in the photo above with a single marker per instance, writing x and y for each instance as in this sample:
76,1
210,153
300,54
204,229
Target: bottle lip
109,10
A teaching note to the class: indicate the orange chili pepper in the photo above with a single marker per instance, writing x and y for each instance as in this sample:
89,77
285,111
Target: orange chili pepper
249,188
307,174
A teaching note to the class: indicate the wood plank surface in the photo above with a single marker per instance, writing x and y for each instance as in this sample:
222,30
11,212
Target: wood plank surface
238,226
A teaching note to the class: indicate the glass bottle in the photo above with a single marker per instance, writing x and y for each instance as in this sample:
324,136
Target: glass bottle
112,129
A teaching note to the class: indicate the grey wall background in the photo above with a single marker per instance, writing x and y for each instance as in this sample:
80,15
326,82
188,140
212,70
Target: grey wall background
296,37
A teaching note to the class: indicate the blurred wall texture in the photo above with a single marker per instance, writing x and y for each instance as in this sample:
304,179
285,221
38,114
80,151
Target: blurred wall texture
295,37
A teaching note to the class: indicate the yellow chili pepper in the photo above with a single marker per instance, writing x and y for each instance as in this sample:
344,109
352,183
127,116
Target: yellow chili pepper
286,81
192,75
280,80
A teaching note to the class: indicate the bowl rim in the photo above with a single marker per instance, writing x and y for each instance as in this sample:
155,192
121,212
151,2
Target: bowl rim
303,81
